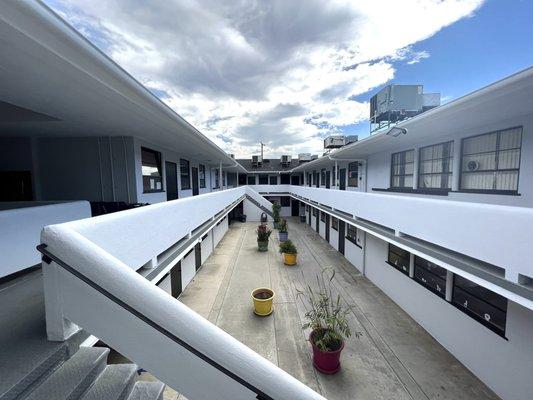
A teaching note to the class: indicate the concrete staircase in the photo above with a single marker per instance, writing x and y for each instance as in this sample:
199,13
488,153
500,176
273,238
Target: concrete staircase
86,376
259,205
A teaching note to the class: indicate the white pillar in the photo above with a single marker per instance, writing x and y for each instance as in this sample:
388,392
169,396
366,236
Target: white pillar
411,265
456,165
449,285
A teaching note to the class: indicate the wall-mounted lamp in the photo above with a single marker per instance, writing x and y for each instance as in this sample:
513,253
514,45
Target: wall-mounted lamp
395,132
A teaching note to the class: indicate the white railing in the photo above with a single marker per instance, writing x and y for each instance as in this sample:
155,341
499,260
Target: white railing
136,236
499,235
20,228
88,284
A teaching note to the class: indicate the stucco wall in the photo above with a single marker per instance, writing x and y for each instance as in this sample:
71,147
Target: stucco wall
504,365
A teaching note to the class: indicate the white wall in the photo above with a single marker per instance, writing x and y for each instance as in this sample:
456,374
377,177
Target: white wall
354,254
220,230
322,228
188,269
333,237
207,246
506,366
21,229
252,212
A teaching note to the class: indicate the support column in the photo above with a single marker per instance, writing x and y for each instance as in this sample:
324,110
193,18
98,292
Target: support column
449,285
58,327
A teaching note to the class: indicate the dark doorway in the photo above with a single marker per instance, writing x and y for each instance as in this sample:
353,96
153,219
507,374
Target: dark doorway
328,177
342,225
285,179
295,208
171,180
310,213
327,228
317,179
195,191
175,280
242,179
16,186
198,255
295,180
342,179
317,221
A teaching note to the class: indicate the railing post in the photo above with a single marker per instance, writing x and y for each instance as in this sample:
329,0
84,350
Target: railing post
58,327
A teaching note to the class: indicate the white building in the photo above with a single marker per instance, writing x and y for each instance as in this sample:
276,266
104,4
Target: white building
435,212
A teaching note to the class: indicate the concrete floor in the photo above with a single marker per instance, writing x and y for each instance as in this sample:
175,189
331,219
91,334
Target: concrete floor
394,359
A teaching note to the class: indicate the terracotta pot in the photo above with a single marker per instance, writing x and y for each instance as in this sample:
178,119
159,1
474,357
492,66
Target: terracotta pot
327,362
283,236
262,245
289,259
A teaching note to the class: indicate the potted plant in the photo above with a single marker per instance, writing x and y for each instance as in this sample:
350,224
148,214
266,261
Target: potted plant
275,214
326,315
288,249
262,299
263,234
283,232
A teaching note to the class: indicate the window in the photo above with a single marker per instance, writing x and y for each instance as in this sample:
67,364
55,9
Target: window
285,201
285,179
435,166
263,179
399,258
251,179
315,212
402,168
323,177
353,174
335,223
273,179
431,276
306,208
351,233
201,175
151,170
322,216
491,162
185,174
482,304
333,180
242,179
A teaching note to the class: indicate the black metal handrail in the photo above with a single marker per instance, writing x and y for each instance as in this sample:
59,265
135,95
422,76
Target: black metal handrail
48,257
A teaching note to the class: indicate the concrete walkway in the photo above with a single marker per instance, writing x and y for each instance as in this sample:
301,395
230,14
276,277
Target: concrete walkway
394,359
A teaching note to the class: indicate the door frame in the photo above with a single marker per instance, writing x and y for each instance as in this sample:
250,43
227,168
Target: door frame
167,180
195,184
342,235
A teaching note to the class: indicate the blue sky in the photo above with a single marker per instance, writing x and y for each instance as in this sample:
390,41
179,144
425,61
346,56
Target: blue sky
470,54
290,73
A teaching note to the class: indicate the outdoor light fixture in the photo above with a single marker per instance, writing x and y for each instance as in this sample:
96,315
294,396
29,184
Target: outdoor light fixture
396,131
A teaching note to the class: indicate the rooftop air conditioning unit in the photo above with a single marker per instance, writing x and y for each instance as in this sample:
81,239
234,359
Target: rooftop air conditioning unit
350,139
257,161
304,157
334,142
286,160
314,156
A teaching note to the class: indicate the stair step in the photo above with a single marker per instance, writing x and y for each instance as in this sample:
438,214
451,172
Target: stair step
114,383
73,377
147,391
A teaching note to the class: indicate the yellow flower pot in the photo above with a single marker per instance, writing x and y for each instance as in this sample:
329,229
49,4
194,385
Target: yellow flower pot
289,259
262,298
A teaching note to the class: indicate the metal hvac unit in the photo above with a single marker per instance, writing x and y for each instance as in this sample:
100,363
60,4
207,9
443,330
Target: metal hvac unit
304,157
286,160
334,142
395,103
350,139
257,161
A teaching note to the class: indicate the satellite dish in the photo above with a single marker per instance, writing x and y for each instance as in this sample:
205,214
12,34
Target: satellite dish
472,165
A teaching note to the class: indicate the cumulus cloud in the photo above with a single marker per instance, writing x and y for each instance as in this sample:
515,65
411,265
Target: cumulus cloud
283,72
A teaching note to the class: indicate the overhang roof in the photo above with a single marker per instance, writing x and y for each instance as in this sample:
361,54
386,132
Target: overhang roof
508,98
50,71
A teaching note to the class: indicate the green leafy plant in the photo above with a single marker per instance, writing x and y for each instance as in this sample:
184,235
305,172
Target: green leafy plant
282,226
263,233
326,313
287,247
276,207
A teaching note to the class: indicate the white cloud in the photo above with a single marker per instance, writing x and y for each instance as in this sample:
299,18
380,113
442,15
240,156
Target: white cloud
283,72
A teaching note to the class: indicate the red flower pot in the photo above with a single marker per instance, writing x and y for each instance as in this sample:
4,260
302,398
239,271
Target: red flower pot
327,362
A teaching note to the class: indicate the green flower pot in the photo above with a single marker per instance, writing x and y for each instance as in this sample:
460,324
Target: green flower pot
262,245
